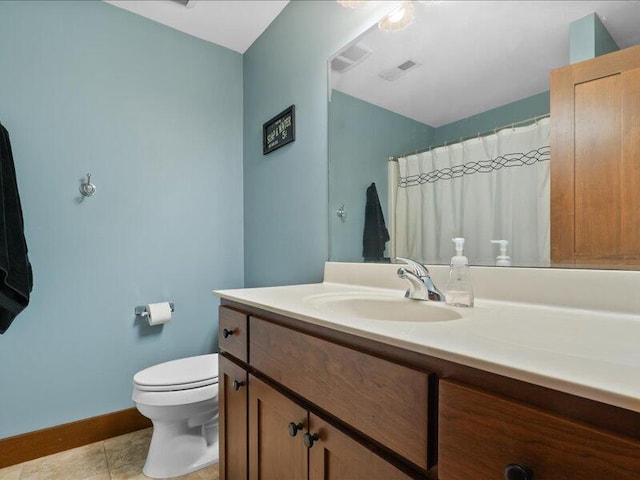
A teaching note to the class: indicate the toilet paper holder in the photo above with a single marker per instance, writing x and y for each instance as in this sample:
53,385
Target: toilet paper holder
141,310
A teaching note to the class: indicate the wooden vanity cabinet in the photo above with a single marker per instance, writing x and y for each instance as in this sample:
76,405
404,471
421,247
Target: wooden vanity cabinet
381,412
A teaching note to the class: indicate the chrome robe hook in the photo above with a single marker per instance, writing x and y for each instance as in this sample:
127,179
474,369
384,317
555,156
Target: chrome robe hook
87,188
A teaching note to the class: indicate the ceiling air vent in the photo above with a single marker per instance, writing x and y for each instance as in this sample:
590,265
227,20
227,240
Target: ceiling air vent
350,57
395,72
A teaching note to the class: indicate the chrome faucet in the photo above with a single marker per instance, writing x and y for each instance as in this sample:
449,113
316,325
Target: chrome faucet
422,287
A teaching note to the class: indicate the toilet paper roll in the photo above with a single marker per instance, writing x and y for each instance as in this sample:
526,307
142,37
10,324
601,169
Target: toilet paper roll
158,313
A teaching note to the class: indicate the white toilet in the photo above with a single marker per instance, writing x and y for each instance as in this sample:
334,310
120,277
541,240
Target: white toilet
180,397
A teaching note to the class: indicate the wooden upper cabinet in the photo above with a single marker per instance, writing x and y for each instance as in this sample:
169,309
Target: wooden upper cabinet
595,162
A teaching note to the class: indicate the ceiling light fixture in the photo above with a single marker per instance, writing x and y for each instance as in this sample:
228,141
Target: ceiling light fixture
399,18
185,3
351,3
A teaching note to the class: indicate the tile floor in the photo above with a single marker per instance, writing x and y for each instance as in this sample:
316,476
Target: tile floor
119,458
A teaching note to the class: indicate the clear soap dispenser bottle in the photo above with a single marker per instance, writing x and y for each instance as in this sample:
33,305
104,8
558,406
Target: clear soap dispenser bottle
459,290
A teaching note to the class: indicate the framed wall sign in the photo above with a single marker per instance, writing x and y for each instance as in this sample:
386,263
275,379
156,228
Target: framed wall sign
279,131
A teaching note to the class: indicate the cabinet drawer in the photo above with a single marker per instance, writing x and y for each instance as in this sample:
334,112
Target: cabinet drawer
383,400
481,433
233,333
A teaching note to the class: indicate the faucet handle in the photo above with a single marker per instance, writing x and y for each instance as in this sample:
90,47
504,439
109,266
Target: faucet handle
418,268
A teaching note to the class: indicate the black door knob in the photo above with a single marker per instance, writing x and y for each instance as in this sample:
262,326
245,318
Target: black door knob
227,333
237,384
309,439
514,471
294,428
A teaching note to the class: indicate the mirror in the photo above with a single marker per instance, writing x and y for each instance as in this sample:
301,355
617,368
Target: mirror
460,101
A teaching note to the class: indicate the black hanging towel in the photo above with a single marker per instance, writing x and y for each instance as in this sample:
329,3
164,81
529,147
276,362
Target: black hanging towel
16,279
375,231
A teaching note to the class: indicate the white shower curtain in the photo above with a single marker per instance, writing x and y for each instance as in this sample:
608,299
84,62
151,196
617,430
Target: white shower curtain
487,188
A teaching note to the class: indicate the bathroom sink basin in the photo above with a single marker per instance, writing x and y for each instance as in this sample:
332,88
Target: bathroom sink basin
372,306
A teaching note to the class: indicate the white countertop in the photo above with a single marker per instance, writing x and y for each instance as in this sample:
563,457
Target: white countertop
592,354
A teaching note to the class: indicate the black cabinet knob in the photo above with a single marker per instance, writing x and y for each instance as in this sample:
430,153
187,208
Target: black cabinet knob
514,471
227,333
237,384
294,428
309,439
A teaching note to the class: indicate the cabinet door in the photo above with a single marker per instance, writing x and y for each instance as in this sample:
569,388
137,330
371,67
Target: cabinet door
595,161
232,420
335,456
274,454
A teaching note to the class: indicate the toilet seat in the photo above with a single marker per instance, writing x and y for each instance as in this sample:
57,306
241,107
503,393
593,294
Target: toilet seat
176,387
181,374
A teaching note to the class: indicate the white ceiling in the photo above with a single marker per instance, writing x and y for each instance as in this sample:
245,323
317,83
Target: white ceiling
234,24
475,56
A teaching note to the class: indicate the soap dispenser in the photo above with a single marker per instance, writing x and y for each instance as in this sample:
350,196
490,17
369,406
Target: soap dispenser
459,290
502,260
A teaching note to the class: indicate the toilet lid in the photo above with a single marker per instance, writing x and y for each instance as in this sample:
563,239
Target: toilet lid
181,374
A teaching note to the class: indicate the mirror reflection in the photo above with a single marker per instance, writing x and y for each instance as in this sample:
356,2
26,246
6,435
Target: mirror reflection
443,129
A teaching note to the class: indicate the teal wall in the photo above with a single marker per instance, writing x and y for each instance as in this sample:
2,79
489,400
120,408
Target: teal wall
604,42
362,138
589,38
285,192
519,110
156,117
